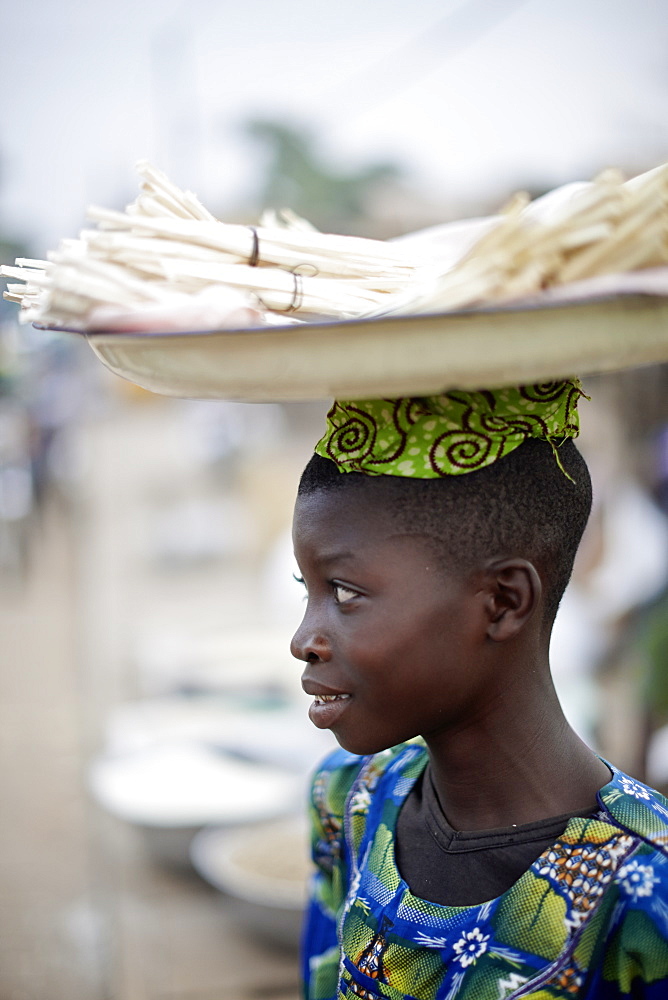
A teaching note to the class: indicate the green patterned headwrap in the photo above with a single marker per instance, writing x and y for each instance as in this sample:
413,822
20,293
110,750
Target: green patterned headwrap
457,432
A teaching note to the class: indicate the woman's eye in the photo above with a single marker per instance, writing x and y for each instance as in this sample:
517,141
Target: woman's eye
343,594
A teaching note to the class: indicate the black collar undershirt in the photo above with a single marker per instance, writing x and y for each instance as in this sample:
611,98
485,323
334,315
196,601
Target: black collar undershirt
455,868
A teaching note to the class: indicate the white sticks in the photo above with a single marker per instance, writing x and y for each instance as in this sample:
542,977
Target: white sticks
167,245
579,231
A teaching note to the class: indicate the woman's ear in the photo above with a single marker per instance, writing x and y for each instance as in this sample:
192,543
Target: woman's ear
514,591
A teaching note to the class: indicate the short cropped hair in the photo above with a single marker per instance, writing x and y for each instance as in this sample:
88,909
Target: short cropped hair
523,505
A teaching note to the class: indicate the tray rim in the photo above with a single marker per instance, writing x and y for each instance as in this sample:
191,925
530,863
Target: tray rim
384,357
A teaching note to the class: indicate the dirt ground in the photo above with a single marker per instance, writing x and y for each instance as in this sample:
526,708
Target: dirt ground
85,913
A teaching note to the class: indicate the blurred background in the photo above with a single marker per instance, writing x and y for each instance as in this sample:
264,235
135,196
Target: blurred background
154,749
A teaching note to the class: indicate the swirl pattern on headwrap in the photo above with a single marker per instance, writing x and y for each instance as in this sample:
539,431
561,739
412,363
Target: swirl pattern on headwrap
451,434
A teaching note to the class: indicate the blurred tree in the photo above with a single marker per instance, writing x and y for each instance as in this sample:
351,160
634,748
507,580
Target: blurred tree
296,178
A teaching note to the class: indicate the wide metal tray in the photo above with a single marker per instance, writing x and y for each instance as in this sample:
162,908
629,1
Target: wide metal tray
412,355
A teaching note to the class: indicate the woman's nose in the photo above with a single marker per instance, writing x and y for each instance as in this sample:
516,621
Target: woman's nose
309,643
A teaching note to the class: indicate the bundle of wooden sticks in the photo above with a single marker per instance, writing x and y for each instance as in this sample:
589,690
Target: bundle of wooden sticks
166,246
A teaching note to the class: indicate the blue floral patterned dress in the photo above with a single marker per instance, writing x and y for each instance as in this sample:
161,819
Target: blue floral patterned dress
589,919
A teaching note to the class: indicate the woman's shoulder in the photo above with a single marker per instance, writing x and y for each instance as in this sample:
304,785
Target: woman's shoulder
639,810
340,772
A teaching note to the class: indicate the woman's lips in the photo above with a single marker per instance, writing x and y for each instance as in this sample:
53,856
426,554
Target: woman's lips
326,709
328,703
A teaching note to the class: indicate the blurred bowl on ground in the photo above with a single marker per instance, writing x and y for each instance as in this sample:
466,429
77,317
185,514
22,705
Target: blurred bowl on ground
170,791
264,870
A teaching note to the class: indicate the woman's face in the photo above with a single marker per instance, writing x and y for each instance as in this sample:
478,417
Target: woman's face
390,638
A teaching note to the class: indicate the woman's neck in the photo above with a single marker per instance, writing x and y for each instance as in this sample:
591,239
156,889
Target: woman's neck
517,764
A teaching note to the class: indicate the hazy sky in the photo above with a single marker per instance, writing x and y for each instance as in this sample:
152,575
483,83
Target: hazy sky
471,96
